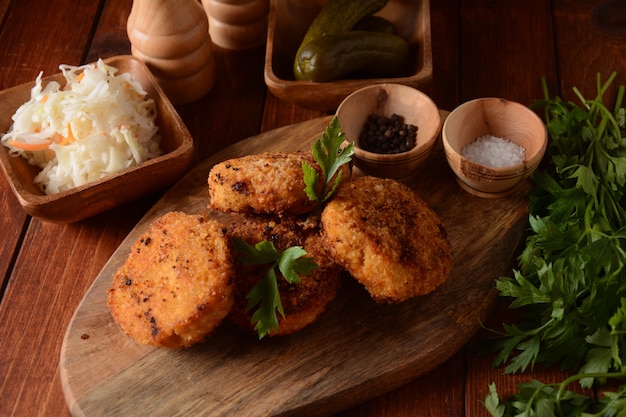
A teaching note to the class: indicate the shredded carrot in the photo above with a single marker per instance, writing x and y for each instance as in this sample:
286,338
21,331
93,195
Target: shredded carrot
29,146
67,139
44,98
70,134
80,77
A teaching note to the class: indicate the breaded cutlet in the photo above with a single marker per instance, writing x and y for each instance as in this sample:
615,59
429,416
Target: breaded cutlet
175,286
266,183
302,303
387,238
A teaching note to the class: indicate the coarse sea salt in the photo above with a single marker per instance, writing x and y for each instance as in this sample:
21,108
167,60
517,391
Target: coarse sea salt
494,152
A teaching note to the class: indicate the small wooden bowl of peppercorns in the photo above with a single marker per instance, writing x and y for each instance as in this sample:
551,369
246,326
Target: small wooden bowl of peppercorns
394,129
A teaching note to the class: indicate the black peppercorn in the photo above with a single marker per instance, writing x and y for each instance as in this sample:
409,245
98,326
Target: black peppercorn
387,135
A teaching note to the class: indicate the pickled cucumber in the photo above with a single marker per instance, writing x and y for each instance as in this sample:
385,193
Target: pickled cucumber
374,23
334,56
337,16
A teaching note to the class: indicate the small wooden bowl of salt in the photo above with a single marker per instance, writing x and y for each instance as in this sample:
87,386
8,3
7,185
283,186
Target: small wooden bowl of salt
493,145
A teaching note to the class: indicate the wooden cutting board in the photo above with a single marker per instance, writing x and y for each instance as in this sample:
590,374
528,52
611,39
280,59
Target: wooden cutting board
357,350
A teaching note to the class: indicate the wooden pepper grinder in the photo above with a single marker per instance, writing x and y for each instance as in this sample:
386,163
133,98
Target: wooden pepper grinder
172,38
237,24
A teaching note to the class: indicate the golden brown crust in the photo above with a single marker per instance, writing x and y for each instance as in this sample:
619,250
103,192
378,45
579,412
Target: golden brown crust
302,303
268,183
176,285
389,239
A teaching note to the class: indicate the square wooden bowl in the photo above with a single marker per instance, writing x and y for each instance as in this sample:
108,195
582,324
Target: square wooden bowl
290,19
113,190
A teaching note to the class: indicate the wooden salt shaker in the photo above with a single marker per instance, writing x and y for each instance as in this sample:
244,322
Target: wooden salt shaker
171,37
237,24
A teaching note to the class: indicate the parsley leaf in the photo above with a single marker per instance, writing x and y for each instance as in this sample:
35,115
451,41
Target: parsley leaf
265,294
535,398
571,277
492,402
292,262
330,157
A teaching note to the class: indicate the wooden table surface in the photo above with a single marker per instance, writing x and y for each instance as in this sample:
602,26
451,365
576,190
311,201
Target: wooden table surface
480,48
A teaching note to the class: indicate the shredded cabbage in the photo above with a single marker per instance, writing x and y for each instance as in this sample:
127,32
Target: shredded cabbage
98,124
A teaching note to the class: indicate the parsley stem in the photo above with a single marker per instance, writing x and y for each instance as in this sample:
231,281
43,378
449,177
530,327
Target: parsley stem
619,99
578,377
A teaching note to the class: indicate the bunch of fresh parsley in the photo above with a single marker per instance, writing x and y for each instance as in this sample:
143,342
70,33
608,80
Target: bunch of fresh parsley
291,262
571,280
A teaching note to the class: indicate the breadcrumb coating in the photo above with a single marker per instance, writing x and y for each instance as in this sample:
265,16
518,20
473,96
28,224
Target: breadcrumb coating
267,183
176,284
302,303
387,238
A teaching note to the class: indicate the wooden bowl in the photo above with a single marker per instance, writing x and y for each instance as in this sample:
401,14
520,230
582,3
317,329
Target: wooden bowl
111,191
385,100
501,118
288,22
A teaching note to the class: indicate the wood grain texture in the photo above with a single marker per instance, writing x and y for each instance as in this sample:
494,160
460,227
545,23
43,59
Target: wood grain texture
506,47
33,31
591,40
421,397
110,35
12,229
354,352
233,109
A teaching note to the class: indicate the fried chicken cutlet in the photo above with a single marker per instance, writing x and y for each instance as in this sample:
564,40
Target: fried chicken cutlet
387,238
267,183
302,303
176,284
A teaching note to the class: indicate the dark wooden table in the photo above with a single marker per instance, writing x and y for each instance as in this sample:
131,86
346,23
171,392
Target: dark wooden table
480,48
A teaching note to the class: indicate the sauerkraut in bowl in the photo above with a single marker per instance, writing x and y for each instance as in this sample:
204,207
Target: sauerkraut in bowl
99,123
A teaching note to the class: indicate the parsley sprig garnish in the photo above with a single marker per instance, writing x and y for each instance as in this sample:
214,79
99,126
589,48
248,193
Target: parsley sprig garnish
265,294
330,156
292,261
571,279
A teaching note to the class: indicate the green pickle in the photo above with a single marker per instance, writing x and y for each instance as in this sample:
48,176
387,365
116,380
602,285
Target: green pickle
337,16
374,23
334,56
